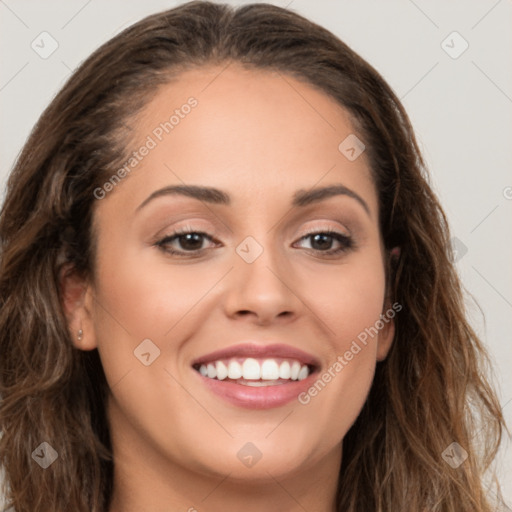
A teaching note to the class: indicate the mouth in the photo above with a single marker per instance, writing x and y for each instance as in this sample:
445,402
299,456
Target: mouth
255,372
255,376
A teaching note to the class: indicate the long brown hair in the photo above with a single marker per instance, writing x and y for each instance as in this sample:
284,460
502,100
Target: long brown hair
431,390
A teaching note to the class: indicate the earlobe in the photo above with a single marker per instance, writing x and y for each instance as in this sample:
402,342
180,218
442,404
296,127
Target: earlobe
385,340
387,332
76,303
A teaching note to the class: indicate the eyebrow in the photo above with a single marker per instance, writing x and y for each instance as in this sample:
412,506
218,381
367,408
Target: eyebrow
301,198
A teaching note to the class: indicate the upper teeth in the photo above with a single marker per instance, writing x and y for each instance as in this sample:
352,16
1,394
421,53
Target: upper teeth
253,369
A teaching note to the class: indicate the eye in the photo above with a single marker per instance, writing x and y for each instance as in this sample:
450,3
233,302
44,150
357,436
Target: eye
184,242
323,241
187,242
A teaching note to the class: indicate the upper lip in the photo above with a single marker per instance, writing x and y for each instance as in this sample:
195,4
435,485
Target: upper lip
256,350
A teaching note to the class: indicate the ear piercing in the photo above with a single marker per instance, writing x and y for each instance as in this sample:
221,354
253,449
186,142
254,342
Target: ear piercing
80,334
395,252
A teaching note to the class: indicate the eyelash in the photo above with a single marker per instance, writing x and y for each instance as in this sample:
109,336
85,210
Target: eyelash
346,242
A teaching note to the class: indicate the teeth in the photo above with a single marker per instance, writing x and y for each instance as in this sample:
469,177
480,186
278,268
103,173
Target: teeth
303,373
251,369
234,370
222,370
284,370
269,370
212,371
294,372
261,383
254,372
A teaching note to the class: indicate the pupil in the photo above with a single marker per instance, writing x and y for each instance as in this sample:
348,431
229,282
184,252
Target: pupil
190,241
325,241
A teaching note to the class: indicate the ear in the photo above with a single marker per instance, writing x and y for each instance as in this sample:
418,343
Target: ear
387,333
77,302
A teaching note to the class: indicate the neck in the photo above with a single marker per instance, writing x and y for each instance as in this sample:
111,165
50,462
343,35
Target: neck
147,481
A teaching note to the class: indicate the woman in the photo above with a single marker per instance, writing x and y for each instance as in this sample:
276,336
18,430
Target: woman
227,283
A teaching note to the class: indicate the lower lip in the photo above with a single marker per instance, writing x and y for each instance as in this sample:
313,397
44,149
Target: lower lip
250,397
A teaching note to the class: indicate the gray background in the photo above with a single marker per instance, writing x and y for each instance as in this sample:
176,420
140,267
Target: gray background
461,109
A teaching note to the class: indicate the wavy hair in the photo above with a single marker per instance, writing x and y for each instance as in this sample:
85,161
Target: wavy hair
433,389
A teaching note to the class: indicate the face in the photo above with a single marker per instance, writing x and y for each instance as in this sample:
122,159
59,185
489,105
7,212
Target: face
276,285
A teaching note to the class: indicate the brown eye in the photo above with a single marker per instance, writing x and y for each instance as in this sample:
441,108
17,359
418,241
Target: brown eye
190,241
183,242
323,241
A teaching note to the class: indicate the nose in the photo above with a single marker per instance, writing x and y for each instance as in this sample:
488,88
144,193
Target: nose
264,291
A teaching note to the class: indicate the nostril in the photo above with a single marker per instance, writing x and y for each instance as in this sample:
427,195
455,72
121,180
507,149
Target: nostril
244,312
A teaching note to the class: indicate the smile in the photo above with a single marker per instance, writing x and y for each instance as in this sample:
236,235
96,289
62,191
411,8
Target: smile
251,371
256,376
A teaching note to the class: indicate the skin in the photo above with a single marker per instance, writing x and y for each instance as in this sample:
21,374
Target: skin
258,136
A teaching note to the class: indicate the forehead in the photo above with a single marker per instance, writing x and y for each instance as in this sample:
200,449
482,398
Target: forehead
244,130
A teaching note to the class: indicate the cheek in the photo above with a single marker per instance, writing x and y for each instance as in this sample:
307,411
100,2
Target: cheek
348,298
139,299
148,294
350,303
